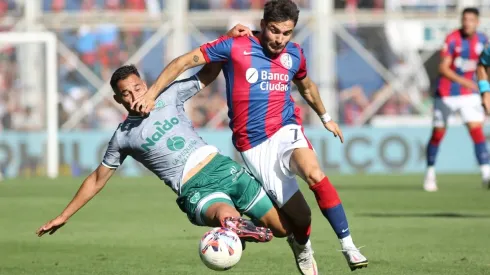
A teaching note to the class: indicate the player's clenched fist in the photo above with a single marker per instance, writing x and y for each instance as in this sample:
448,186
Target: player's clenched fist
335,129
143,105
51,227
239,30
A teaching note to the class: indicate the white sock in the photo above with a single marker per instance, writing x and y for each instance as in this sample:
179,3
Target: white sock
431,173
485,172
347,242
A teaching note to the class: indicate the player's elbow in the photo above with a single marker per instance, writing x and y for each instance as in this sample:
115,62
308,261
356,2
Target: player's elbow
95,182
443,68
306,93
312,86
481,72
91,185
191,59
180,63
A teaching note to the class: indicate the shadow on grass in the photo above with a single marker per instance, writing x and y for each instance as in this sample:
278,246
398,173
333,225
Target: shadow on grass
423,215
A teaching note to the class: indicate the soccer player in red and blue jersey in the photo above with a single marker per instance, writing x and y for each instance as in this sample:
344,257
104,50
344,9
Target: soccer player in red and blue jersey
457,92
266,125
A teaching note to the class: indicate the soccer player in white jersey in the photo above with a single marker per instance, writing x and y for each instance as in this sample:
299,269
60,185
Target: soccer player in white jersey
212,189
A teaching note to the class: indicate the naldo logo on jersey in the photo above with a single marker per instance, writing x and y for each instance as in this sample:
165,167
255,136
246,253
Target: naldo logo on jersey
161,130
281,80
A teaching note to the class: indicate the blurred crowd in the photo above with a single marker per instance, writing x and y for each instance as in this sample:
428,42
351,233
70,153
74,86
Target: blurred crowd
105,47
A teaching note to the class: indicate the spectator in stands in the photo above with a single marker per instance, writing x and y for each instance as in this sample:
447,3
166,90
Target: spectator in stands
108,48
135,5
104,47
87,47
58,5
112,5
4,113
31,120
235,4
357,82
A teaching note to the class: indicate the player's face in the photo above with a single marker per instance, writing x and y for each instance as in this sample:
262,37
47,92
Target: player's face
129,89
470,23
275,35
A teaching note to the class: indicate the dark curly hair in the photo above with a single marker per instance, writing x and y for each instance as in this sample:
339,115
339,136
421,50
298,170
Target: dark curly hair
471,10
281,11
122,73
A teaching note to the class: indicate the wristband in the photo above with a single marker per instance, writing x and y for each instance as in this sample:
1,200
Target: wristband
326,117
484,86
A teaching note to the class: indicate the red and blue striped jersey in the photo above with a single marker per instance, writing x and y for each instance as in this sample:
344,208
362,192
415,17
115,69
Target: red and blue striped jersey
465,52
258,87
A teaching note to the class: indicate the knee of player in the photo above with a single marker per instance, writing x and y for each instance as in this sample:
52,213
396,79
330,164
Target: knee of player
220,211
315,175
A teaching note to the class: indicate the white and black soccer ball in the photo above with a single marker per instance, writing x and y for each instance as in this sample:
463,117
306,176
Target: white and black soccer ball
220,249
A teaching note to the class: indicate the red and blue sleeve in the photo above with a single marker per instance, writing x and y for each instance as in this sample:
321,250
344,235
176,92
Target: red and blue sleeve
302,71
218,50
449,47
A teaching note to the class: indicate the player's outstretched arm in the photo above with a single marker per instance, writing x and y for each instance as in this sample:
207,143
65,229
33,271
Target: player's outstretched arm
89,188
309,91
175,68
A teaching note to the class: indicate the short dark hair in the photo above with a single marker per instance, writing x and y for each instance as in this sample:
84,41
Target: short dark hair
472,10
281,11
122,73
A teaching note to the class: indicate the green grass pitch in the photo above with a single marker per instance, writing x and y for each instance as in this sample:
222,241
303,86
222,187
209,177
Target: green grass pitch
135,227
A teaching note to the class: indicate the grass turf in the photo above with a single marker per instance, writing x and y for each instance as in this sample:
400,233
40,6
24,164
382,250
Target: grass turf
134,227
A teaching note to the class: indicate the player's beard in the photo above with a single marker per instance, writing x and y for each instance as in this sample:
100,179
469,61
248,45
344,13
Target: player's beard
271,51
277,50
267,46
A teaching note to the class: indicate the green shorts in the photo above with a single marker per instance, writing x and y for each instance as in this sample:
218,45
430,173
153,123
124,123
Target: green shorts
223,180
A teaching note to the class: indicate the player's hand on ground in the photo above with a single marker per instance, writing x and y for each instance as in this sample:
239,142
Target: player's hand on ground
335,129
143,105
51,227
486,102
239,30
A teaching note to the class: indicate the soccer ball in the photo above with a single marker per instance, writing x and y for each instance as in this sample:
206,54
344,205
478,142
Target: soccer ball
220,249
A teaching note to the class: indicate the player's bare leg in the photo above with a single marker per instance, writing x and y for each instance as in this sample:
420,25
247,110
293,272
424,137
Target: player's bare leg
224,215
298,213
481,152
430,182
305,164
279,224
